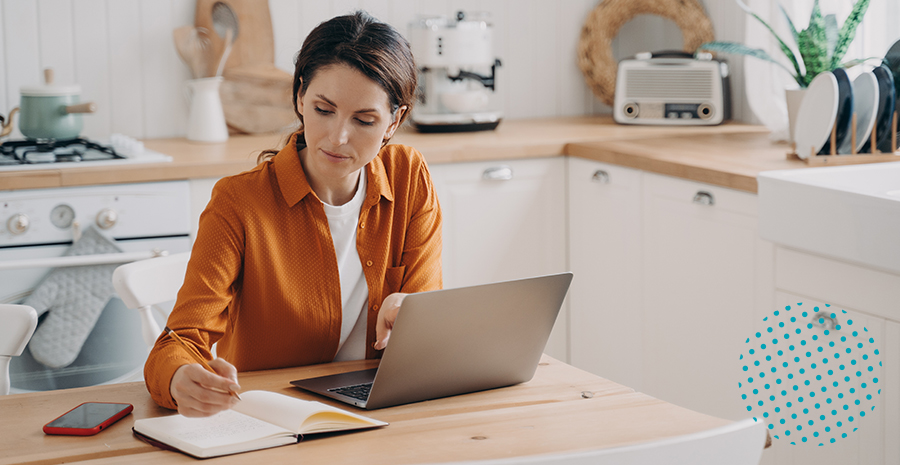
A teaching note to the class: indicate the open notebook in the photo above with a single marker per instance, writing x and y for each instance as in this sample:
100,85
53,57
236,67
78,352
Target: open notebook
261,420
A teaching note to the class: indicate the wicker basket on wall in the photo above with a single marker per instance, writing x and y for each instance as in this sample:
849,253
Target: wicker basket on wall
595,56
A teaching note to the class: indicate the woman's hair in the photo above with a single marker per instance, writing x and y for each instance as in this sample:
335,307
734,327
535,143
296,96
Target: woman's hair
362,42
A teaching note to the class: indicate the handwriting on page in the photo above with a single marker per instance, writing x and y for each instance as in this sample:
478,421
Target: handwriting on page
224,427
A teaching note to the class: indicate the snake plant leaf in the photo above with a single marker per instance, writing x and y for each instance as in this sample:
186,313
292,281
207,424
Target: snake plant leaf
789,22
813,45
848,31
741,49
831,35
784,46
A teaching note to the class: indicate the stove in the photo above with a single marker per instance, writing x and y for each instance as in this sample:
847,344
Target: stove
31,154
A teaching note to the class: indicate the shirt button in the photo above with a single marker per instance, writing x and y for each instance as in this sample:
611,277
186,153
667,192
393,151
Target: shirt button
362,225
375,307
369,263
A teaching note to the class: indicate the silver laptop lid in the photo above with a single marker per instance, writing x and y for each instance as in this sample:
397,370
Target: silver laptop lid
455,341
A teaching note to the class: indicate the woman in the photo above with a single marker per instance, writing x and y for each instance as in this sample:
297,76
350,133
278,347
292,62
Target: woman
305,258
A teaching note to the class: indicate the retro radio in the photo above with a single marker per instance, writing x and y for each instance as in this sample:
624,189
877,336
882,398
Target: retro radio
672,88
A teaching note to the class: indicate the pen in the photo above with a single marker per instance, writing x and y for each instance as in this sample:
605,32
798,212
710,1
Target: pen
191,350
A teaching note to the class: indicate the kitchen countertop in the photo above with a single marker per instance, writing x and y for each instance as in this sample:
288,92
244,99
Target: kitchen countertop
728,155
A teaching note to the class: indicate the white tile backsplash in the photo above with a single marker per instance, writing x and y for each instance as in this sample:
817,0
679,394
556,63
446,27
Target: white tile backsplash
121,52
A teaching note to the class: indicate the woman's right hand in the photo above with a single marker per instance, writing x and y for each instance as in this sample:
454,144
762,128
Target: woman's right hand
200,393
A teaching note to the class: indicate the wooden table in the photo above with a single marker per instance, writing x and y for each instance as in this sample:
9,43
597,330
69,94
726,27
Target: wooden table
561,409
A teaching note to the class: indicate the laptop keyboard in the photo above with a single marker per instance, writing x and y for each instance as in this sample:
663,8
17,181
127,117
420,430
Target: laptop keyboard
356,391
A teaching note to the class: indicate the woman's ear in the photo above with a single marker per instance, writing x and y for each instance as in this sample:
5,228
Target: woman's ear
300,98
398,117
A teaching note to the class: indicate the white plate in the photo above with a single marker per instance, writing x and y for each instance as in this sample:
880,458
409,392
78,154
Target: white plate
816,115
865,105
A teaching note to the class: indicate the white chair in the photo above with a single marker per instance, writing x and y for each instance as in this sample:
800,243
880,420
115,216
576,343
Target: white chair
17,324
146,283
740,443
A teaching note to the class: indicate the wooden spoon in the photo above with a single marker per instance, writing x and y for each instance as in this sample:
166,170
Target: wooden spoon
193,46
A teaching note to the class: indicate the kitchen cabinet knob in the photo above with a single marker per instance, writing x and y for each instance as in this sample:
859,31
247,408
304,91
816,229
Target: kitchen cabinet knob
107,218
704,198
498,173
18,224
824,320
600,176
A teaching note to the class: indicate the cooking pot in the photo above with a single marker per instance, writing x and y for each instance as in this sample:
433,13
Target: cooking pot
49,111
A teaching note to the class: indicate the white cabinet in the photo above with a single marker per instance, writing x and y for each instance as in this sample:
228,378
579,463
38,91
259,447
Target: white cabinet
504,220
201,192
604,255
706,276
872,298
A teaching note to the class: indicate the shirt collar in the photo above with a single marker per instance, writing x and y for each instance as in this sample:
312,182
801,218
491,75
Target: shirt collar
294,186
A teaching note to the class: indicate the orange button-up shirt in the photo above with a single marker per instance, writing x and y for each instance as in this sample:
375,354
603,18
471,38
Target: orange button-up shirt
263,282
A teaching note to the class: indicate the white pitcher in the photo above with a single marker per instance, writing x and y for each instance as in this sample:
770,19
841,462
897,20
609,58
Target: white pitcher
206,121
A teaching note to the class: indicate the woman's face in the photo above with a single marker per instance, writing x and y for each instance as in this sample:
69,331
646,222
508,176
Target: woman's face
346,116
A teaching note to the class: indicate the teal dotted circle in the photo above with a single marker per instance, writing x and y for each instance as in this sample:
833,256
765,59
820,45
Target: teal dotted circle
811,375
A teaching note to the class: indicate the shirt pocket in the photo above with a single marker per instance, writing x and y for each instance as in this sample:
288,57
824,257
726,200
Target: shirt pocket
393,279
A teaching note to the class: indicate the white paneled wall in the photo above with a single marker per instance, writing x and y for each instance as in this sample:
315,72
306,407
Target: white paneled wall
122,55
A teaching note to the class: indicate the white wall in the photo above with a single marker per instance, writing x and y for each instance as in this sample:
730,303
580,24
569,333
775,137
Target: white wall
122,55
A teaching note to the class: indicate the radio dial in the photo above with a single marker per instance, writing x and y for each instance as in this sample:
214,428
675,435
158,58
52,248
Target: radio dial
18,224
107,218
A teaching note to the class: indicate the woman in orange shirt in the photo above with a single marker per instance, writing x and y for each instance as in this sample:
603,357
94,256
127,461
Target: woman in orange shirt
305,258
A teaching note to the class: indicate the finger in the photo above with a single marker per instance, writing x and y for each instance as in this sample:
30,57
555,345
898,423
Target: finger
380,344
193,387
225,370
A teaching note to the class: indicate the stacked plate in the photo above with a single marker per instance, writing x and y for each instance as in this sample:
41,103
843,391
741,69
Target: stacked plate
831,100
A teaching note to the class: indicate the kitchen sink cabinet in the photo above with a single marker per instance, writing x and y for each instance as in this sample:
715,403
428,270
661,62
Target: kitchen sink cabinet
604,254
706,274
865,446
870,296
504,220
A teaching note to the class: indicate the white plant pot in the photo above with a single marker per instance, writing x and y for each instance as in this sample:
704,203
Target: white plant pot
793,97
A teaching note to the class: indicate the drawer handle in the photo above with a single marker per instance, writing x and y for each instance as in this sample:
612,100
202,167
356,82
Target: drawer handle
498,173
600,176
704,198
824,320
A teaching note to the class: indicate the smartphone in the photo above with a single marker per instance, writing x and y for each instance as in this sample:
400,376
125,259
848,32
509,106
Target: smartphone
88,418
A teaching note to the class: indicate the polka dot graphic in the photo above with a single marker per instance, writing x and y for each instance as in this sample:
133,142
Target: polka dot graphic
811,375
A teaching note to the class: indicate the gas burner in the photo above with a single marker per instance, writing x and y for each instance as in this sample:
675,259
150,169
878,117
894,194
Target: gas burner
31,151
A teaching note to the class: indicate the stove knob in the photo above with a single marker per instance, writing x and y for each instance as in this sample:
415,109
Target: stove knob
107,218
18,224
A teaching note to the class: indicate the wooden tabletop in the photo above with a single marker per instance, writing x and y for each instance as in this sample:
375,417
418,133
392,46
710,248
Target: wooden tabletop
580,136
561,409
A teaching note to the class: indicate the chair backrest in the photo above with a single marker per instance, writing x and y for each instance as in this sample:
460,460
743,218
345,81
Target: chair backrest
145,283
740,443
17,324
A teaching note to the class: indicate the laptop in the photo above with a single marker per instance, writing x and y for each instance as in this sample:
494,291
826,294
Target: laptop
456,341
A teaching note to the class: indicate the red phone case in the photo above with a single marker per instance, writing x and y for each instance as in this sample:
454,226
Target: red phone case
88,431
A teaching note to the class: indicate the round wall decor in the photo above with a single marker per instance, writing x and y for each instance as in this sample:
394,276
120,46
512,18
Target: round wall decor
595,57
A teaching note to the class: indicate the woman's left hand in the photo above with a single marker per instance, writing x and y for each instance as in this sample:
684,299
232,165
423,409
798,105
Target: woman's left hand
386,317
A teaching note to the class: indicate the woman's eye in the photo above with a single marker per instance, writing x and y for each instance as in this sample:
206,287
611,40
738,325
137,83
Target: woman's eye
323,111
365,123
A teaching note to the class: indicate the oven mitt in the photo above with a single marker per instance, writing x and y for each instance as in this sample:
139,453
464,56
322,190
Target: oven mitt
74,297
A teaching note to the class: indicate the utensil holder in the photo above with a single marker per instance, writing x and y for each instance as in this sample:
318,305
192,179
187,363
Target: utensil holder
206,120
854,157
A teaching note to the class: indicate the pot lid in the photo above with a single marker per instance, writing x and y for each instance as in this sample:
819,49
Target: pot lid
48,89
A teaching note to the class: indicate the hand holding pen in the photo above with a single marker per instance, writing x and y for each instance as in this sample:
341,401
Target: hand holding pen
203,388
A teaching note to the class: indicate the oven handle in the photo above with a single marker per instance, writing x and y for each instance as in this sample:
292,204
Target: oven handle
81,260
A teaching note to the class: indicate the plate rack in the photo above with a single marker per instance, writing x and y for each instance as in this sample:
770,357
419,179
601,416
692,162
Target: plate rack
875,156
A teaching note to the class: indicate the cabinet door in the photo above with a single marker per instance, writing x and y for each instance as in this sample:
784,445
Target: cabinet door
867,444
701,256
504,220
604,254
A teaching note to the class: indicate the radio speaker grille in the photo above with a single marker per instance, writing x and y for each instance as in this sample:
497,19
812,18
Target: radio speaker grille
680,83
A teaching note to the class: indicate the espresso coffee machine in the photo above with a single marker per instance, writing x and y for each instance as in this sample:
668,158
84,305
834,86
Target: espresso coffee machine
457,70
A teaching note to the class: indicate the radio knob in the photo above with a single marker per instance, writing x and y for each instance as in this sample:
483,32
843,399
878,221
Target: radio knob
107,218
18,224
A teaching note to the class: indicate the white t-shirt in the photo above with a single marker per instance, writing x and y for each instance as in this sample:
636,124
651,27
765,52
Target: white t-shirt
343,221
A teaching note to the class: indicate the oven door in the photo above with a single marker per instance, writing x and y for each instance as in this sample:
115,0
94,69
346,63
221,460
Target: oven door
113,352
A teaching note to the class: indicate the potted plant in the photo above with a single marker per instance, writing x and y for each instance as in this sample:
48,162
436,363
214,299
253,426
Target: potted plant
821,46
